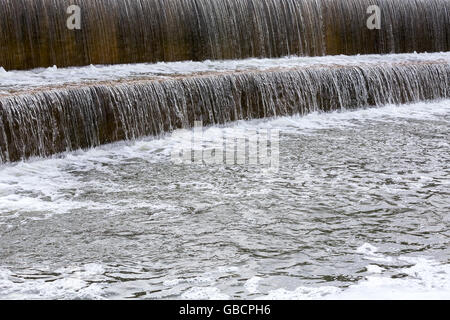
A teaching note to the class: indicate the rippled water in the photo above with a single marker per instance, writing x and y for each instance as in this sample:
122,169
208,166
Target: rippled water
359,209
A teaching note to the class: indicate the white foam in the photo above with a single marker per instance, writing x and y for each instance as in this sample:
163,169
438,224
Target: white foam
41,185
251,285
58,76
424,279
372,268
370,252
204,293
194,280
301,293
73,283
367,248
427,279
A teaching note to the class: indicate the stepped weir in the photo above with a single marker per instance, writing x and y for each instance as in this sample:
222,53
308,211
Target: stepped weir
41,118
110,188
52,120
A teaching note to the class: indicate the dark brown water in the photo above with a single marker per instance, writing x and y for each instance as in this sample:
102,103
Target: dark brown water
33,33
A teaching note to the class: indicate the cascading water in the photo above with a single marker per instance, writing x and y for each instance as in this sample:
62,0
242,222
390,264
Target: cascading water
48,121
33,33
356,205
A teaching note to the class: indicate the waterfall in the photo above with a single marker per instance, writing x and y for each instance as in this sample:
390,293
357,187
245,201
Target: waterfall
33,33
47,121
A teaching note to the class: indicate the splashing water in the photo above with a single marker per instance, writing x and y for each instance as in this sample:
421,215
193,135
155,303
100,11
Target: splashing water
50,121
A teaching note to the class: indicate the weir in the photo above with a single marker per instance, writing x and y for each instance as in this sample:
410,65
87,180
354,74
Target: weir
207,214
53,116
50,120
34,33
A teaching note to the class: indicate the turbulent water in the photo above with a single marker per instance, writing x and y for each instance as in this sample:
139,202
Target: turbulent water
34,33
359,209
98,201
